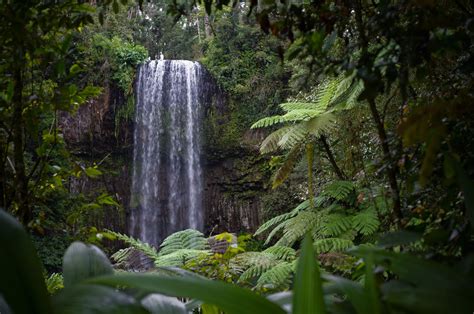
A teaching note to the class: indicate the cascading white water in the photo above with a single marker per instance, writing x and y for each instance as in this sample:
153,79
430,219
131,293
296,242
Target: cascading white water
167,174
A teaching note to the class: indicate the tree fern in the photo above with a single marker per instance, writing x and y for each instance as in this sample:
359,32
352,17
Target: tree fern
270,143
282,252
338,190
189,239
179,257
298,226
143,247
290,106
332,244
277,277
284,171
366,222
336,224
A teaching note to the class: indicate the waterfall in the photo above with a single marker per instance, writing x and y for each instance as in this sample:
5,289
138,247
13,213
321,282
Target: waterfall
167,173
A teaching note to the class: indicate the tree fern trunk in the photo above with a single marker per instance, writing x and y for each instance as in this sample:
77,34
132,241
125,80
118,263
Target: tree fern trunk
310,158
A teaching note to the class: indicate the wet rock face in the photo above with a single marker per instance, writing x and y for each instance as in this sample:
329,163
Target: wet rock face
92,130
233,182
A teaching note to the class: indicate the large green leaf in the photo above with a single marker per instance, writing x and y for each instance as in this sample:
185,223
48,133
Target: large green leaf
87,299
229,298
157,304
83,261
308,292
21,279
423,286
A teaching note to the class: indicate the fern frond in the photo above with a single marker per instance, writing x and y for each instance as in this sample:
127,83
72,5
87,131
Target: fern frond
122,255
290,106
179,257
336,224
320,124
326,90
366,222
294,136
338,190
332,245
298,226
278,276
143,247
282,252
187,239
284,171
268,121
348,92
270,143
276,220
275,231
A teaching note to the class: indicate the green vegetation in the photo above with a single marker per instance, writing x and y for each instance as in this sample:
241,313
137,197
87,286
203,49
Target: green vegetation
349,123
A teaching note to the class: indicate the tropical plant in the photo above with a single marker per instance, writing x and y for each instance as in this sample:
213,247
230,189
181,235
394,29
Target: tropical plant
304,122
91,286
335,221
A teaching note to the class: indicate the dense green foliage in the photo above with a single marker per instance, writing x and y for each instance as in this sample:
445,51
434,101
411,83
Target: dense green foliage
362,112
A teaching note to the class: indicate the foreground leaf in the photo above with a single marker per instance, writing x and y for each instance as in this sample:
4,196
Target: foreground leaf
83,261
229,298
21,279
86,299
308,292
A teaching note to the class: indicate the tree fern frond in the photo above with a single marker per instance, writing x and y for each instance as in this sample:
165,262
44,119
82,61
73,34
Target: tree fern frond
336,224
294,136
270,143
284,171
276,277
282,252
332,245
146,248
253,264
186,239
276,220
274,231
320,124
326,90
179,257
347,93
338,190
290,106
298,226
366,222
122,255
268,121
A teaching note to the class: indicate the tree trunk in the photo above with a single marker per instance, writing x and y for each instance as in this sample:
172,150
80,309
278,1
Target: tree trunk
392,168
21,180
340,174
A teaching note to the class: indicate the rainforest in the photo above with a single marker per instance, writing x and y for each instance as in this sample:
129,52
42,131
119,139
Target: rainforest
244,156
